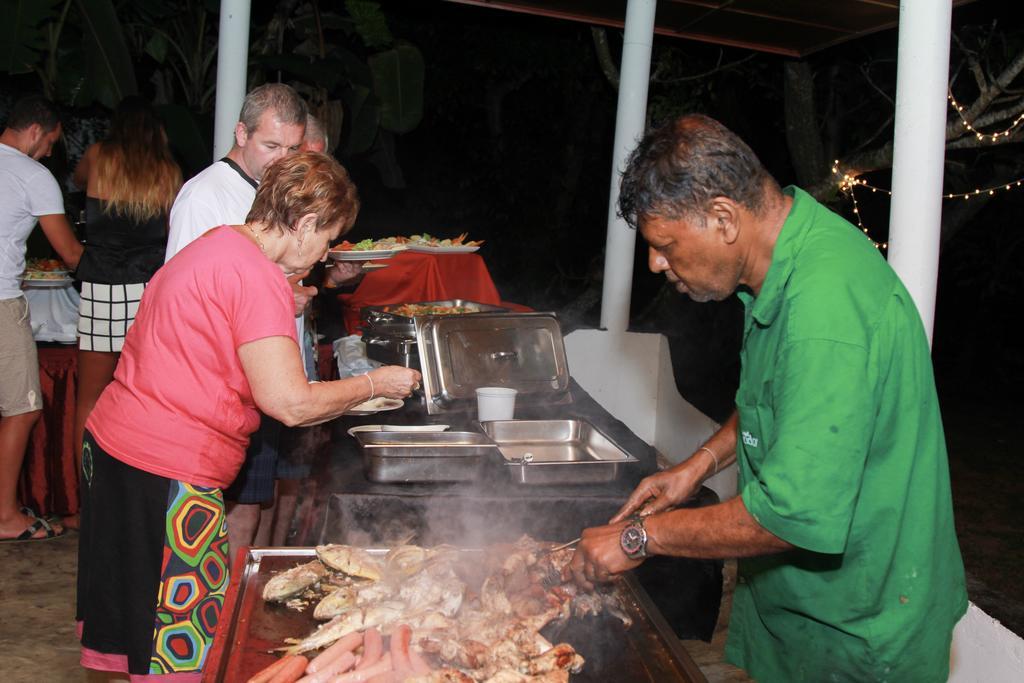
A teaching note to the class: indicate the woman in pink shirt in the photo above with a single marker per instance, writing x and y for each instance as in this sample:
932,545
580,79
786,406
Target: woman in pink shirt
212,345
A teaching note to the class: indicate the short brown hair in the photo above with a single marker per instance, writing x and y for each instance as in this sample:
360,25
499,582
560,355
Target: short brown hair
280,99
299,184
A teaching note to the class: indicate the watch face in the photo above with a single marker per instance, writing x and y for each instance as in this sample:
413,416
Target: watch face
632,540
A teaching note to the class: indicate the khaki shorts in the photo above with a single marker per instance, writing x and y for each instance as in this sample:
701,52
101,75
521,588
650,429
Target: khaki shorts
19,364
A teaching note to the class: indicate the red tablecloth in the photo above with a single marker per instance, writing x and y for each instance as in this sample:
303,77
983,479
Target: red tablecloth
415,276
49,475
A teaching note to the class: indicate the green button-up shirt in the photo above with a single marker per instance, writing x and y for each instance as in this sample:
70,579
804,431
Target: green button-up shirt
841,453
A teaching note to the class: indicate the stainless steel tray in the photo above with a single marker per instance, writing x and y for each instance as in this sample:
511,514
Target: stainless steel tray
381,321
557,451
410,457
647,652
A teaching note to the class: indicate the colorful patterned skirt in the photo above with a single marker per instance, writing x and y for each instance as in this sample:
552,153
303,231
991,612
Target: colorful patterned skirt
152,570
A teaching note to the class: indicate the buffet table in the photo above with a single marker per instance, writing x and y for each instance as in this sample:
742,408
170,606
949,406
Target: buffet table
49,475
347,508
417,276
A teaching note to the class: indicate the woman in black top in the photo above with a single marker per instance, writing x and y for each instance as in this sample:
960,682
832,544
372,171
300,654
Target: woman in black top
130,182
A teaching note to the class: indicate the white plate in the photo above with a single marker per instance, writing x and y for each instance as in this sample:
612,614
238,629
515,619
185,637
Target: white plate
364,255
397,428
46,284
457,249
376,405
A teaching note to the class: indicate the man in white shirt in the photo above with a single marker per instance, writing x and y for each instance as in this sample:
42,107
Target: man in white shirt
271,125
28,194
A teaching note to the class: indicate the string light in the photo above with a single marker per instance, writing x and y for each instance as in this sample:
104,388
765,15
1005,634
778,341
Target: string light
982,137
848,182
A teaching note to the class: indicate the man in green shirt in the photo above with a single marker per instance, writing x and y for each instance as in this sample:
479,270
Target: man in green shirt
849,566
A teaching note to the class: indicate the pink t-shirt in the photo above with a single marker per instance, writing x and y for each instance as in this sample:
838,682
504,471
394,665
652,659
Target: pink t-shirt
180,405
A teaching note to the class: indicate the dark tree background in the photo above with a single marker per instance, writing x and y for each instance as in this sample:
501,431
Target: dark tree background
455,118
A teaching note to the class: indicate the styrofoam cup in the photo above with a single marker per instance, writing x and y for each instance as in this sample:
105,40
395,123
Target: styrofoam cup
495,403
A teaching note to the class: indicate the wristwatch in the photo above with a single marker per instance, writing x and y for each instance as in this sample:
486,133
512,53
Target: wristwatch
633,539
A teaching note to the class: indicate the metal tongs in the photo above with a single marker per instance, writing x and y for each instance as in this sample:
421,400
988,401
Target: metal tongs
561,547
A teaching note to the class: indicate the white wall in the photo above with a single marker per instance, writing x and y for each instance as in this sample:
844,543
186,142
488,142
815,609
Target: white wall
984,651
630,374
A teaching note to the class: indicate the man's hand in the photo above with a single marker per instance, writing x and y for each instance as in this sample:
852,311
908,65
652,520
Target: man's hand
303,295
342,272
599,556
663,490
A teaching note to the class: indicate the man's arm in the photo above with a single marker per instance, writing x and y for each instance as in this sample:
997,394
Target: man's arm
719,531
58,232
663,490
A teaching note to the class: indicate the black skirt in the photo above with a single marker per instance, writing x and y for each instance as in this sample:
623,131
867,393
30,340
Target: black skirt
152,569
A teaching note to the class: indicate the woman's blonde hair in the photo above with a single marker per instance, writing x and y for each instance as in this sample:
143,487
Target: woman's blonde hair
135,172
304,183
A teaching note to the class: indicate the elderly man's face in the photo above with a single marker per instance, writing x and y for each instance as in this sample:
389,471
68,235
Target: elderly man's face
699,261
270,141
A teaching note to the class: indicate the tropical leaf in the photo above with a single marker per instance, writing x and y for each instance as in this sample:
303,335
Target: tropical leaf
398,83
370,23
110,63
326,73
383,157
22,38
364,118
185,135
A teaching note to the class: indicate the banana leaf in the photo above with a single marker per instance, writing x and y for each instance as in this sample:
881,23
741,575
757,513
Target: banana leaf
22,37
364,117
326,73
398,83
107,55
186,137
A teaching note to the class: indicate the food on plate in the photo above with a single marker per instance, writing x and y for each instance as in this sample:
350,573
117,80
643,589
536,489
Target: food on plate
398,243
428,240
447,616
379,403
412,310
45,269
386,244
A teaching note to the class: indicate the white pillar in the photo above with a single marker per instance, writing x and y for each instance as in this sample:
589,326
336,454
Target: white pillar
919,146
629,127
232,67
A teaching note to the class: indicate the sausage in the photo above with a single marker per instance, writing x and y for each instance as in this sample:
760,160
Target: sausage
373,648
400,638
266,674
291,671
338,665
383,665
344,644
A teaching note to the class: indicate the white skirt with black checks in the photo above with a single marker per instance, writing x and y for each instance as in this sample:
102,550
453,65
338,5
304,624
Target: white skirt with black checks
105,314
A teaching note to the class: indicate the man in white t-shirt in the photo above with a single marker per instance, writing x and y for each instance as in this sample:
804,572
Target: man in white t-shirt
271,125
28,194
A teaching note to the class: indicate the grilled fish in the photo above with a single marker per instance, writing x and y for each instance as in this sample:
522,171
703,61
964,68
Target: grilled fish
293,581
350,560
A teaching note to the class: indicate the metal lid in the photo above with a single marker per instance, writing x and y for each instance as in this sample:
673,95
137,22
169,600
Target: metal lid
523,351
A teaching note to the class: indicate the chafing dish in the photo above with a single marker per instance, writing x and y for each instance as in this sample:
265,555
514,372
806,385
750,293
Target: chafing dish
408,457
391,338
522,351
380,320
557,451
